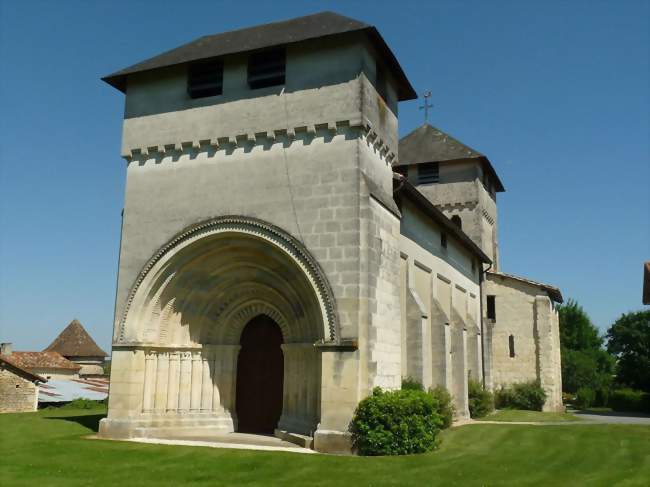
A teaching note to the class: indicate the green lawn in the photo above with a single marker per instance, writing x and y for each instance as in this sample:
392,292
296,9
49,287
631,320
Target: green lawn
47,449
510,415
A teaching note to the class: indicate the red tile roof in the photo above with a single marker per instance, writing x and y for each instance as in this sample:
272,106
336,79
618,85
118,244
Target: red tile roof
7,361
41,360
75,341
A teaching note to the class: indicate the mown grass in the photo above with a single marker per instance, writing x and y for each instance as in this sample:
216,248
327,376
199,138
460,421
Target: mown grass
514,415
47,448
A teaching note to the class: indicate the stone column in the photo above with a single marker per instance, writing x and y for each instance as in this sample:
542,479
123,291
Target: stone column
173,382
162,377
149,381
197,385
206,382
185,382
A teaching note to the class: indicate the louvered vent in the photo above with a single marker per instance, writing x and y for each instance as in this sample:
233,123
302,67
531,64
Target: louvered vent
266,68
428,173
205,79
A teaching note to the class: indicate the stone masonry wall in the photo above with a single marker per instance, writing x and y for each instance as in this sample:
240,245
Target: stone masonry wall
17,395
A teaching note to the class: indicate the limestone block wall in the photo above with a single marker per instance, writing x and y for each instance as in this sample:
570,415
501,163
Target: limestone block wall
474,205
525,313
17,395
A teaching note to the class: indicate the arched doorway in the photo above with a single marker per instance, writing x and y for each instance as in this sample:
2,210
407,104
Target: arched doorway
260,371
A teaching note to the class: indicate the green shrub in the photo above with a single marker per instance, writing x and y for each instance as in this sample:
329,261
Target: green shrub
629,400
525,395
396,423
81,404
411,384
445,405
585,397
481,402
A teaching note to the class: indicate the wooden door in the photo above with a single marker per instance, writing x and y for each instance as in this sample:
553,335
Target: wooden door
260,376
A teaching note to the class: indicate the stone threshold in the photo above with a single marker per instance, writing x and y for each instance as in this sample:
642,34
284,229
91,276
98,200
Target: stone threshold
236,441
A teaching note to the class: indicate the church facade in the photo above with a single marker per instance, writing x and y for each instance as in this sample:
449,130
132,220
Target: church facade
274,267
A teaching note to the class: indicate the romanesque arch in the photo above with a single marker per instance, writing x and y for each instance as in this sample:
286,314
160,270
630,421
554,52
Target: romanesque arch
192,300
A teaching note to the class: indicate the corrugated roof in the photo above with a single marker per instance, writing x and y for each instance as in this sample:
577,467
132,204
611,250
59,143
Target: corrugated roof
42,360
69,390
17,369
403,187
316,26
430,144
75,341
553,292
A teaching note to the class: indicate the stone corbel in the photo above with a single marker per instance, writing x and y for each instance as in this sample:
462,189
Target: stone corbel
343,345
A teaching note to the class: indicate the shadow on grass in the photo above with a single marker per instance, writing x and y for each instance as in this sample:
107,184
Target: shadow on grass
89,421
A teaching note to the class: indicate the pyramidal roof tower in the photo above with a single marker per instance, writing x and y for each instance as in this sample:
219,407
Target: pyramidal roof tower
74,342
457,179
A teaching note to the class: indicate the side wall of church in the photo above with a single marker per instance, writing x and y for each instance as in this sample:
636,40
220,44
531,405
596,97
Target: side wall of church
441,338
524,338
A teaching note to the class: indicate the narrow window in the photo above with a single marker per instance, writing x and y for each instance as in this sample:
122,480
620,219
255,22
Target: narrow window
266,68
457,221
511,345
491,308
443,240
428,173
205,79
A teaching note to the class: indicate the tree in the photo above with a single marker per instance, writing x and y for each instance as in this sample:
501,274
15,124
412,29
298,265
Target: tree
628,339
585,363
577,332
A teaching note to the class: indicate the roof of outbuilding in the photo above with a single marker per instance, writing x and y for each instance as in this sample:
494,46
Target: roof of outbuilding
74,341
316,26
646,283
430,144
19,370
553,292
41,360
403,187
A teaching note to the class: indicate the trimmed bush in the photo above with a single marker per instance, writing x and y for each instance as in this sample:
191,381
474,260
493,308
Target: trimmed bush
445,405
481,402
629,400
526,395
411,384
585,397
396,423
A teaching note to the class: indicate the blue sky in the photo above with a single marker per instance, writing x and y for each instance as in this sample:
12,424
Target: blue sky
554,92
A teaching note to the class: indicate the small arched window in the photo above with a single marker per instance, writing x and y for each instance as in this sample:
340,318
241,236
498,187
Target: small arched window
511,345
457,221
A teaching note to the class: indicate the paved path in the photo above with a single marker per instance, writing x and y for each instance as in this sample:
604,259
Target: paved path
587,418
614,418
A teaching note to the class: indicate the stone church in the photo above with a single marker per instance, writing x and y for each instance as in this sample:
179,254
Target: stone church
283,252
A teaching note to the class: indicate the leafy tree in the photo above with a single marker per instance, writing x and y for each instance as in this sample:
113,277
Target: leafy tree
629,340
585,363
577,332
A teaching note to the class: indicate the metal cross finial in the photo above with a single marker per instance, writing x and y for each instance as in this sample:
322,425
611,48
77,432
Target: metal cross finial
426,106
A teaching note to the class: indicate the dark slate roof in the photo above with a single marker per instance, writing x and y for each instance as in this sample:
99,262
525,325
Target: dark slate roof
8,362
402,188
316,26
75,341
553,292
430,144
